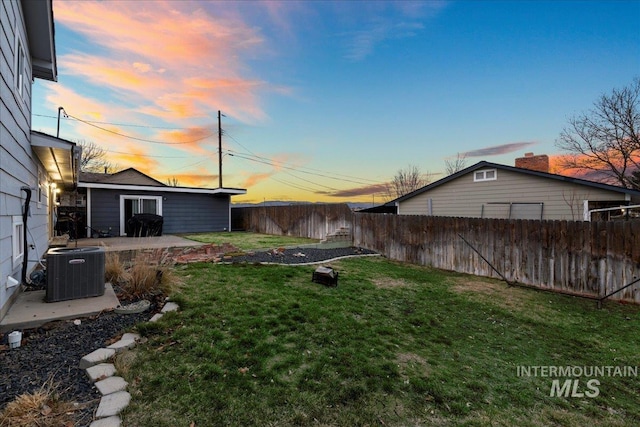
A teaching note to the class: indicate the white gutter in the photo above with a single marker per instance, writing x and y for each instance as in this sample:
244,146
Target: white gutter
167,189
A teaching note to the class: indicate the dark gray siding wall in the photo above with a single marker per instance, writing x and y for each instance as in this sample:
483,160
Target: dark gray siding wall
182,212
105,210
194,213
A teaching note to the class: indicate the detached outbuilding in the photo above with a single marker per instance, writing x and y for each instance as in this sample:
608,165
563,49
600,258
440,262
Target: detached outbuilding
104,203
527,191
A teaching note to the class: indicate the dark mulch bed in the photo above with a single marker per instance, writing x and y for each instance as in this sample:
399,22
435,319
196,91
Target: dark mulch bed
54,350
300,255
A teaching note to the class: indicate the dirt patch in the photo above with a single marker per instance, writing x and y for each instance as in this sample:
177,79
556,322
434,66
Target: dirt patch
498,293
492,291
389,283
410,363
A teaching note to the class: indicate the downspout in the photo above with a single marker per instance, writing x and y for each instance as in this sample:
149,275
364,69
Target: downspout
25,216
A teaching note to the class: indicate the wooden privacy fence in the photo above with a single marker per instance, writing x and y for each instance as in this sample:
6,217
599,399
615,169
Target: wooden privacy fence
589,259
315,221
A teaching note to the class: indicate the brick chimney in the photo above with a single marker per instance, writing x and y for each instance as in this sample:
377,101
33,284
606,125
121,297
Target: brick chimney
538,163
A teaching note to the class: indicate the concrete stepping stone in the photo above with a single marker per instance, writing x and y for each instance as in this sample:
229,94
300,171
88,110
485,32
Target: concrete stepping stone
114,421
101,371
122,345
131,336
111,385
170,306
156,317
134,308
113,404
98,356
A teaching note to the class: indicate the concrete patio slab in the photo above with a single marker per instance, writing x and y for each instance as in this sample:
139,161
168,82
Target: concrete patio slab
31,311
133,243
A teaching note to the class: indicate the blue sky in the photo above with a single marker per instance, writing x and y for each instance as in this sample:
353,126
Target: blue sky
326,101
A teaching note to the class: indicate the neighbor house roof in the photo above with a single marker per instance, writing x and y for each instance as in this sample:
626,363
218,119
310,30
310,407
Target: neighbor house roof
485,165
128,176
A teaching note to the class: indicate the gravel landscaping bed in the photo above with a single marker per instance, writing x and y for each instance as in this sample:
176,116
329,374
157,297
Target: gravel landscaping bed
300,255
54,351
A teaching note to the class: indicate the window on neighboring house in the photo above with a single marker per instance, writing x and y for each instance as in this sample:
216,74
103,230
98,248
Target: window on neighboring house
17,240
20,69
485,175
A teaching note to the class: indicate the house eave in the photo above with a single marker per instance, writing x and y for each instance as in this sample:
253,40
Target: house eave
58,156
40,27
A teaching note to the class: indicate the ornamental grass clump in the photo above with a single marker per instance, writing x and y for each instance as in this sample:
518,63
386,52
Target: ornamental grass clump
114,269
150,275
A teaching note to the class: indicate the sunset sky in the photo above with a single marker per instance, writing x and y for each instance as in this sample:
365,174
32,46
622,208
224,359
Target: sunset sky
326,101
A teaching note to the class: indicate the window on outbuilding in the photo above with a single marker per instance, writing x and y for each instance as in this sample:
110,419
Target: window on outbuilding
485,175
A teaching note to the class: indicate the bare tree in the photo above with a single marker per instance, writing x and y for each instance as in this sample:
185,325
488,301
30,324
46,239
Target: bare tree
575,201
606,139
94,158
635,179
455,165
407,180
173,181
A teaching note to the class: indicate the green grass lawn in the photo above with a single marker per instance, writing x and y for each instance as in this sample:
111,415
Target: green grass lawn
247,240
392,345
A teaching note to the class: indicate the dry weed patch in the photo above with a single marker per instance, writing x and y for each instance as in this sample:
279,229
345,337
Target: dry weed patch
43,408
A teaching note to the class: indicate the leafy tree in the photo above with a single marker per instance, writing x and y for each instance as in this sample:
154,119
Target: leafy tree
407,180
606,139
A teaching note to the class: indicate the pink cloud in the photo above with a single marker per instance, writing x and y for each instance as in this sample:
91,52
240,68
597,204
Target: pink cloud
177,59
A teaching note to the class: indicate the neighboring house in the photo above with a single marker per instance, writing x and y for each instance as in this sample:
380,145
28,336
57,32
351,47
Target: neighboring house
103,203
527,191
32,165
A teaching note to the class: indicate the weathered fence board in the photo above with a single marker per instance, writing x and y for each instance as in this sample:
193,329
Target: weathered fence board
589,259
315,221
583,258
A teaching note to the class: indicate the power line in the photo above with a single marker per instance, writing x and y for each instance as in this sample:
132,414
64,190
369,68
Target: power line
189,165
151,155
138,139
118,124
299,187
270,162
301,169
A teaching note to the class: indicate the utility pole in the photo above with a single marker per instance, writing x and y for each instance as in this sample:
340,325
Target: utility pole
58,129
219,149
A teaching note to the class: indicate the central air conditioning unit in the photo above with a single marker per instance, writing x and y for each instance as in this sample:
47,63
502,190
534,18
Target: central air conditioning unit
74,273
